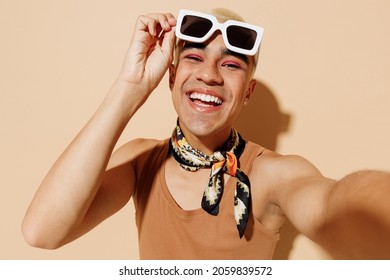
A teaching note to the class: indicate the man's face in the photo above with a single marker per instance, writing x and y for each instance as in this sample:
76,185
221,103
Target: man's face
209,86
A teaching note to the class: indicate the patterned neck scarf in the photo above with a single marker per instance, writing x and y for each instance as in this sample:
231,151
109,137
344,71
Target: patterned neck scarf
223,161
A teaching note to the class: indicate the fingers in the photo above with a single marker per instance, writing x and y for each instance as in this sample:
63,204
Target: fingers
151,49
155,23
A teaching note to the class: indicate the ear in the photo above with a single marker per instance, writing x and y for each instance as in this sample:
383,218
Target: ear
172,73
250,90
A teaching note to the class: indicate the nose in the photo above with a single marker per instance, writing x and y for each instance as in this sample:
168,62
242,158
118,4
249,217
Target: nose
209,73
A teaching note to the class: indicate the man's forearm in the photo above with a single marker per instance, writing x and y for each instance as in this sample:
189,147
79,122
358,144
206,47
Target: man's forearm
72,183
358,217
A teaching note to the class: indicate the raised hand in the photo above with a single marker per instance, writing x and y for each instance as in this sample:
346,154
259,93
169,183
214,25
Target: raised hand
150,52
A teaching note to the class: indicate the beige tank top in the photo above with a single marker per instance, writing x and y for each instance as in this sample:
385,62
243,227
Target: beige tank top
166,231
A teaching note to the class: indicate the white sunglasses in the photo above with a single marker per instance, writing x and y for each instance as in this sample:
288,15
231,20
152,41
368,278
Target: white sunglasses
238,36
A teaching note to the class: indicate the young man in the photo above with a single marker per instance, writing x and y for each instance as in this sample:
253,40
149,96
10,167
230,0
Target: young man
205,193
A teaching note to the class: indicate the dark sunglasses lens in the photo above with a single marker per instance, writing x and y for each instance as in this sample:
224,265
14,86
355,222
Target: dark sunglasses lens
241,37
195,26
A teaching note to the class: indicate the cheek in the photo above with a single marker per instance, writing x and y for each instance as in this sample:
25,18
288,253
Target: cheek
183,70
239,90
177,97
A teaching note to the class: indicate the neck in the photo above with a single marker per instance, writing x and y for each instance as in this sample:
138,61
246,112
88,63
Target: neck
208,144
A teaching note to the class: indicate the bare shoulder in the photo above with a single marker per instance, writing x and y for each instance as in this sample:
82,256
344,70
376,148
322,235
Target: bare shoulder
283,167
276,174
131,150
295,186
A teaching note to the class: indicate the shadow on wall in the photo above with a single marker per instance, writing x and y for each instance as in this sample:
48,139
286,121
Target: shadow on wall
262,121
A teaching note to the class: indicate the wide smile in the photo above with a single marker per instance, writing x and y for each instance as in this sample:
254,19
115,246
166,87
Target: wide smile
205,100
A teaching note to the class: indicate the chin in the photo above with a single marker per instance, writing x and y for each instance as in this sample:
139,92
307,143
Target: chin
201,127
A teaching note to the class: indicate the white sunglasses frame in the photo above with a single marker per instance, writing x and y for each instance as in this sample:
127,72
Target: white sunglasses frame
219,26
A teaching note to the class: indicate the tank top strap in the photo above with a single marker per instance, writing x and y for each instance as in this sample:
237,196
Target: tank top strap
251,152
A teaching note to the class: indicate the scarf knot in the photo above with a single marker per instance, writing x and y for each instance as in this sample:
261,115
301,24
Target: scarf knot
231,164
223,161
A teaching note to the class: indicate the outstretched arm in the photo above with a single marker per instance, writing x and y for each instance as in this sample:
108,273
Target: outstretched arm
78,192
350,218
357,224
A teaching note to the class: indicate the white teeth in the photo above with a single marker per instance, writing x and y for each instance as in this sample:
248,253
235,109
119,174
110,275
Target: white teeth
205,98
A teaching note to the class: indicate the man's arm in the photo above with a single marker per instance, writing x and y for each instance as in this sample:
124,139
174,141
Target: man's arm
357,224
349,218
78,192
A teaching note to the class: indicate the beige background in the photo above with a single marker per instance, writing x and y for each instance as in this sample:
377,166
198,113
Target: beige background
323,93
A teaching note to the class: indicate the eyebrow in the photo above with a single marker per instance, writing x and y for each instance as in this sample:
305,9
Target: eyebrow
187,46
238,55
224,51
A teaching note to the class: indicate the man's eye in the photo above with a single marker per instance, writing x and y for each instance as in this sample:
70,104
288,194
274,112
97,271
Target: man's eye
231,65
194,57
